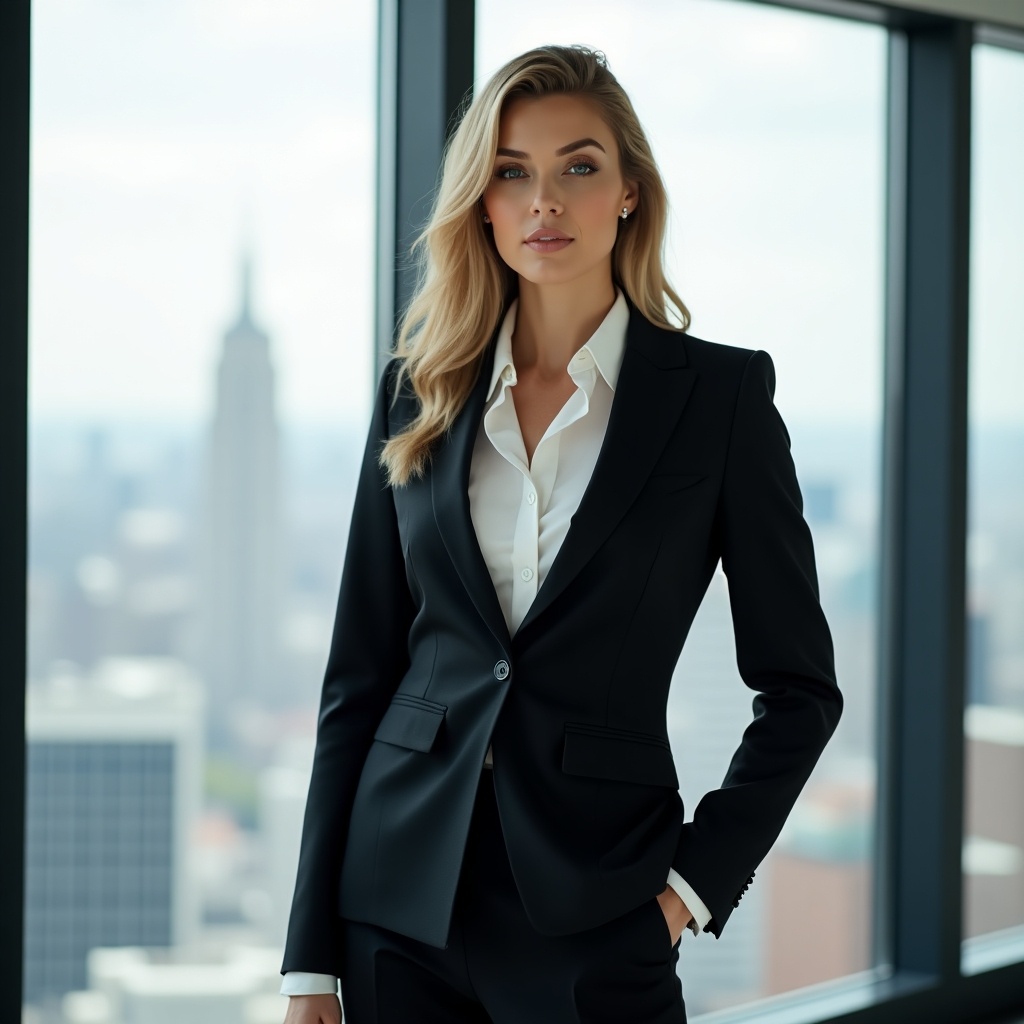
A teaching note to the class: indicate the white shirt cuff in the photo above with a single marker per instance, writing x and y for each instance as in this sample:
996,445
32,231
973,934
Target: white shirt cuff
701,914
304,983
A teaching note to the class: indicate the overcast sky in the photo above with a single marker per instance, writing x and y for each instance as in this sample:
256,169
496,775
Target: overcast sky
166,135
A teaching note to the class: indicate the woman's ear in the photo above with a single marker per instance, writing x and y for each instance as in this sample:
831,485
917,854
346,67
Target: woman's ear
632,196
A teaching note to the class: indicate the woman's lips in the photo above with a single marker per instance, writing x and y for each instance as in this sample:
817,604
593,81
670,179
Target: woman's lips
552,246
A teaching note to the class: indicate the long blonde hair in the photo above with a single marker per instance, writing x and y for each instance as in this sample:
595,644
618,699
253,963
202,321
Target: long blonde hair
465,288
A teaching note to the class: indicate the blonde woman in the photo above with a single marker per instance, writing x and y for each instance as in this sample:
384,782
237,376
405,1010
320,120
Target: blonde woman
554,469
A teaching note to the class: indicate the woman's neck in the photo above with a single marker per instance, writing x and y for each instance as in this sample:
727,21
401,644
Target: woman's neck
553,322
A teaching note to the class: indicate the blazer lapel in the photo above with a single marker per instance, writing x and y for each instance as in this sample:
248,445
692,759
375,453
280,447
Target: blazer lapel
650,393
652,389
450,496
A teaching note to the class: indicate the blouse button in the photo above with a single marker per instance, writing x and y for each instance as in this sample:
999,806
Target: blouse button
531,497
527,574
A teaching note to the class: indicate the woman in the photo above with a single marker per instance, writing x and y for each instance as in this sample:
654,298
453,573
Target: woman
493,830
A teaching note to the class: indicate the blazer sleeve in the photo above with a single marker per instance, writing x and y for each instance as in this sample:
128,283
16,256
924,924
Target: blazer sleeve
783,651
367,658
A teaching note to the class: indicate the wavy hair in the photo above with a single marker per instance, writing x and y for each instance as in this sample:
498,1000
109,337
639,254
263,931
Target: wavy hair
465,287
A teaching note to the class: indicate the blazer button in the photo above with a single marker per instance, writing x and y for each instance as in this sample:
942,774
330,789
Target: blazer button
501,670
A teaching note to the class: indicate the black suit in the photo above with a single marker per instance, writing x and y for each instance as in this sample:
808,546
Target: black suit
422,673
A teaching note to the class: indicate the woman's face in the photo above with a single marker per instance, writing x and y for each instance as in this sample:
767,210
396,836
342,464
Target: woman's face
557,167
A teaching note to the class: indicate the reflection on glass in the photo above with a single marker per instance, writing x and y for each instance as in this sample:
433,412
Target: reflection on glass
993,851
201,369
768,126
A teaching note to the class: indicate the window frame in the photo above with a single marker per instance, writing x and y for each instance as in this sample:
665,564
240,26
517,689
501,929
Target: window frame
14,252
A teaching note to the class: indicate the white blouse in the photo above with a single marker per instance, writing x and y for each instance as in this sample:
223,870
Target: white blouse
521,509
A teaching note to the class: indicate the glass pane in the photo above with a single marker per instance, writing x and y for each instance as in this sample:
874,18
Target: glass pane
768,126
993,853
201,374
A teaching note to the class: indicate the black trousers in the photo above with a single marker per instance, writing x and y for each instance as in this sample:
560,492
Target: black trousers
497,969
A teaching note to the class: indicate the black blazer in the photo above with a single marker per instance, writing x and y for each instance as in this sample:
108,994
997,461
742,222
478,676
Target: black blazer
422,674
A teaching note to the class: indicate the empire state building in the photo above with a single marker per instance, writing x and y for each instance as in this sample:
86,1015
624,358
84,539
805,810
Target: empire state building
241,569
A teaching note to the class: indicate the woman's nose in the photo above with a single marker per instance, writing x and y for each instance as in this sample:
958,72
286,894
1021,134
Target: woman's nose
546,199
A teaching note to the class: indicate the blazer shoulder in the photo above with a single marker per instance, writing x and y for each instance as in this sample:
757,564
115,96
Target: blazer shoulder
724,366
737,368
716,356
662,346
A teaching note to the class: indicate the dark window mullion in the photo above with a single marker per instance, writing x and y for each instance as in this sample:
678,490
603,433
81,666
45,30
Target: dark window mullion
426,54
14,211
925,503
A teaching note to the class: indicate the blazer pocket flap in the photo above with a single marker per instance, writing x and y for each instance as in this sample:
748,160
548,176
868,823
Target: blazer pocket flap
411,722
666,483
601,752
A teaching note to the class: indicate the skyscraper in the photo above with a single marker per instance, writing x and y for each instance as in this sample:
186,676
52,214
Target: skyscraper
241,565
114,782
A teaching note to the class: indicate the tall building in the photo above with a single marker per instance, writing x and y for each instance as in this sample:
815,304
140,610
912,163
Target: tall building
114,781
820,874
241,565
993,851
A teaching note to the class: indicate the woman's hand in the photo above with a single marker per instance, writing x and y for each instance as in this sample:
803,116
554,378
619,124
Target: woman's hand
320,1009
677,914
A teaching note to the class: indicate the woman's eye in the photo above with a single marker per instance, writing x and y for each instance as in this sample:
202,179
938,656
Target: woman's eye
515,173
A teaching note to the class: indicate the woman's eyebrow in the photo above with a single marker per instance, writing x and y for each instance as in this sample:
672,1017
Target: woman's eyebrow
579,144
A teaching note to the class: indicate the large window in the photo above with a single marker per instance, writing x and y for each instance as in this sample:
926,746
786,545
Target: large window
769,128
993,855
201,345
201,352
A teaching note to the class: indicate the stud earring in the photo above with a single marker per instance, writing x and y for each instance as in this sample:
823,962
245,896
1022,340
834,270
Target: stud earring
625,212
487,220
